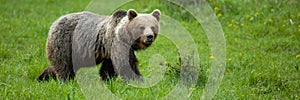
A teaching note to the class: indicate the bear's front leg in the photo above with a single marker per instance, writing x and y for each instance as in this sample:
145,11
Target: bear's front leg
125,62
134,62
128,72
107,70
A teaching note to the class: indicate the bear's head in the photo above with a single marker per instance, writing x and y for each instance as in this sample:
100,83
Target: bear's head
143,28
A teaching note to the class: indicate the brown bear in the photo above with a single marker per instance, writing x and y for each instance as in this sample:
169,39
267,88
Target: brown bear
86,39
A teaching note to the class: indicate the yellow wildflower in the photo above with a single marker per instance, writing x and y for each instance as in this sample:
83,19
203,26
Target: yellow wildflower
229,25
212,57
283,25
219,15
229,59
235,26
270,21
192,89
248,16
242,25
216,9
232,21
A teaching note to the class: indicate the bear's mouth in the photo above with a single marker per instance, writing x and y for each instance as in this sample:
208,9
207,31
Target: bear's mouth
141,44
147,41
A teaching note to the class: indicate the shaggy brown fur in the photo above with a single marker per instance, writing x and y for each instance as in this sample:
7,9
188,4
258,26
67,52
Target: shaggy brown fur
86,39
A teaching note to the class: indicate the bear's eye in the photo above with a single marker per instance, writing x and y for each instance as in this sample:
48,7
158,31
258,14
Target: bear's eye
152,27
142,27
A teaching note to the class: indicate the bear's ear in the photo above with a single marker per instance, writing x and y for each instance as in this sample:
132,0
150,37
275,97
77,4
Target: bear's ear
131,13
119,13
156,14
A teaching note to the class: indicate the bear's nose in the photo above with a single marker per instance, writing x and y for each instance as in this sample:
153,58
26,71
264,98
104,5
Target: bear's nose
149,37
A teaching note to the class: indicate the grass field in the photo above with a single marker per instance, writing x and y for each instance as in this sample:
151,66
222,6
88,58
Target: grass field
262,40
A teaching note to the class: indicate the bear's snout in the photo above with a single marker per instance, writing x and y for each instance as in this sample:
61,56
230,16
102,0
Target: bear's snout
149,38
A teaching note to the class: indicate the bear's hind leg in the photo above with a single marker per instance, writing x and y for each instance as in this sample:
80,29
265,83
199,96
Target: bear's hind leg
107,70
65,73
47,73
56,73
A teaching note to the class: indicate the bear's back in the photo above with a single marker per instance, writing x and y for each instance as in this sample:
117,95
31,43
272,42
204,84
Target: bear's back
71,31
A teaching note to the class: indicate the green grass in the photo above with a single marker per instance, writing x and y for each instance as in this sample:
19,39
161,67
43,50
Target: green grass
262,39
